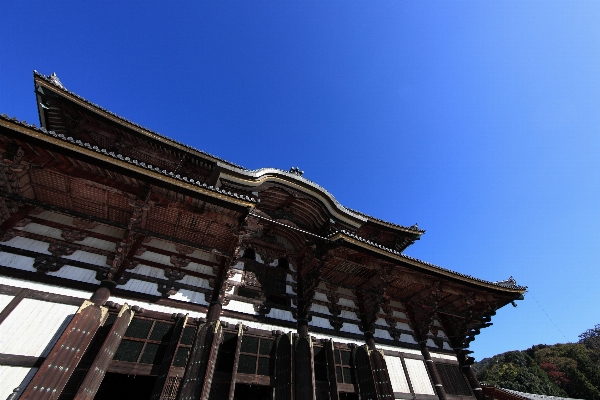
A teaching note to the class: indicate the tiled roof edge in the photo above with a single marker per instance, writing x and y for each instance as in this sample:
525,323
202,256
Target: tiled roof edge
127,159
59,86
508,284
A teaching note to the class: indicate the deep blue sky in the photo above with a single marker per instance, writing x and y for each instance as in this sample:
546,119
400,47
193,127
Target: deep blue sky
478,120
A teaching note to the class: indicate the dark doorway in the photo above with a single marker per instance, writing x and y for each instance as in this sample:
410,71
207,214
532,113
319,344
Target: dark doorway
348,396
252,392
125,387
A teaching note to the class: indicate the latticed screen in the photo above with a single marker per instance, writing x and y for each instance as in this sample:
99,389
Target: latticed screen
226,357
255,356
145,341
185,344
344,368
453,380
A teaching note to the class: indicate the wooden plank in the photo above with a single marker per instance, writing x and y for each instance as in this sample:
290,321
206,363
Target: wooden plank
236,361
305,376
167,361
53,375
333,383
383,383
283,368
16,360
91,383
13,304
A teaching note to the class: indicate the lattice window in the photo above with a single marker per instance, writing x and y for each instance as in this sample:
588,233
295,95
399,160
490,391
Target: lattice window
185,345
145,341
453,380
256,356
344,366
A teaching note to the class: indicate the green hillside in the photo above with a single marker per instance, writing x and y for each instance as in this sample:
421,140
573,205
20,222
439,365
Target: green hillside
568,370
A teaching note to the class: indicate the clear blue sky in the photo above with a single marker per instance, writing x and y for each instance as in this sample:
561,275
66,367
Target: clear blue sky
478,120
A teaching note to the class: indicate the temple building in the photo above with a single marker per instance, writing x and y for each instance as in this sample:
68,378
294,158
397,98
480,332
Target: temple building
133,266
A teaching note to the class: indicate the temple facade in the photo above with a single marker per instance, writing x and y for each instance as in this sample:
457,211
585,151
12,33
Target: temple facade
133,266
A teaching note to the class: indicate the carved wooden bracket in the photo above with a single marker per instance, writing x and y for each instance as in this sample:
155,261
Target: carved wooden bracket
73,235
45,264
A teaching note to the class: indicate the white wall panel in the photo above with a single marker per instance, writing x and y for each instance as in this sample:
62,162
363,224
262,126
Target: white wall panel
347,303
406,338
55,217
320,322
321,297
108,231
203,269
431,343
156,307
28,244
155,257
16,261
76,274
349,315
399,314
4,300
98,244
258,325
446,346
90,258
403,325
14,377
42,230
33,327
136,285
4,280
289,290
195,281
189,297
281,314
444,356
163,245
239,306
419,378
351,328
146,270
318,308
383,334
397,375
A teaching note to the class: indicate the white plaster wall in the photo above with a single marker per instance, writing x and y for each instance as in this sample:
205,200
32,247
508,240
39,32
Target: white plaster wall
76,274
13,377
98,244
161,244
446,346
157,307
431,343
195,281
406,338
4,300
108,231
320,322
321,297
42,287
136,285
28,244
54,217
33,327
418,376
403,325
155,257
347,303
90,258
444,356
146,270
42,230
257,325
383,334
189,297
399,314
239,306
397,375
203,269
16,261
350,328
281,314
289,290
349,315
318,308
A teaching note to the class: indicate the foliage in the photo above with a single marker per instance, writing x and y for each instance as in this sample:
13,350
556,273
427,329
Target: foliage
571,369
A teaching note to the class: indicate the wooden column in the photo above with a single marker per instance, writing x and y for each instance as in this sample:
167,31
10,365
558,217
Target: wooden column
465,367
160,387
95,375
236,360
333,383
284,387
197,378
51,378
433,373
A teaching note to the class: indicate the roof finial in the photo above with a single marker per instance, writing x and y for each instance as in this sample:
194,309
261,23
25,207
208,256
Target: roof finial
296,171
54,79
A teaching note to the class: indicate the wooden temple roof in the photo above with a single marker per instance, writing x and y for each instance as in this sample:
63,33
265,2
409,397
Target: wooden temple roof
86,161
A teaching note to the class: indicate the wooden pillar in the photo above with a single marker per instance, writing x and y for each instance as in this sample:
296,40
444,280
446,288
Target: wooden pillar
333,383
435,377
465,367
95,374
197,378
305,369
374,376
236,360
284,387
51,378
160,387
